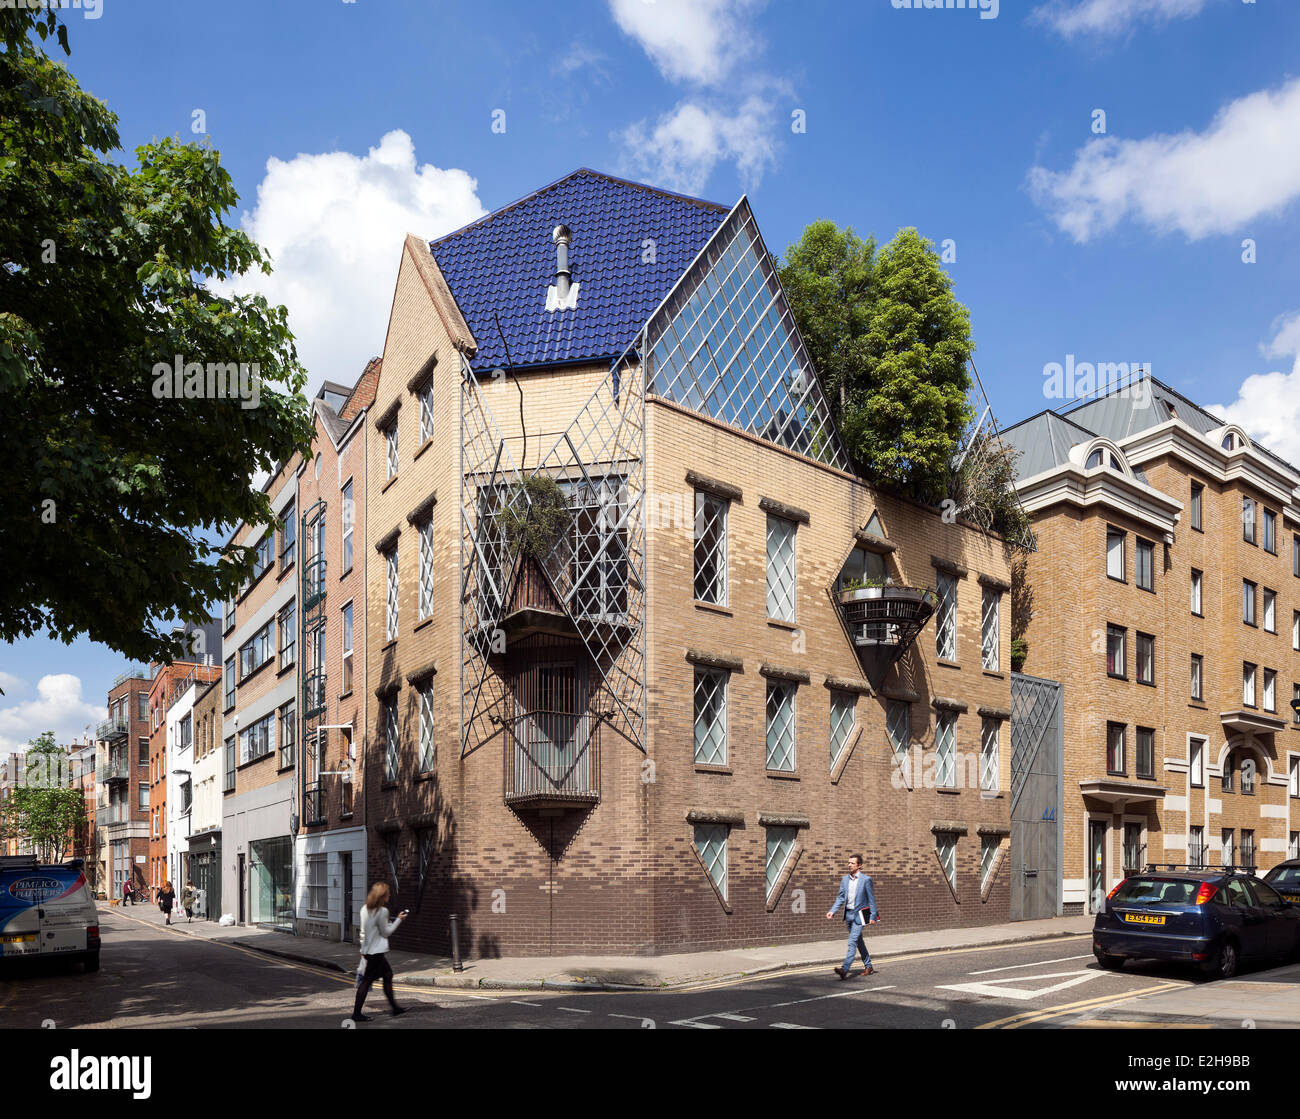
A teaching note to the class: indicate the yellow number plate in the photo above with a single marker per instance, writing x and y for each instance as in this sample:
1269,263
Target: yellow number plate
19,939
1292,897
1144,919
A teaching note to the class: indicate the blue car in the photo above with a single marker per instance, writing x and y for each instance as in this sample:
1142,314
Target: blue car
1285,879
1215,918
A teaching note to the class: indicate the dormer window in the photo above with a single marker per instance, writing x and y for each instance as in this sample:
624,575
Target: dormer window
1101,457
1232,441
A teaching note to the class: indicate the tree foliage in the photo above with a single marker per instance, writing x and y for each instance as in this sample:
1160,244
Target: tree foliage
890,343
43,810
111,493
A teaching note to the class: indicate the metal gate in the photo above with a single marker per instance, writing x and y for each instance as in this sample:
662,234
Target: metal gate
1037,761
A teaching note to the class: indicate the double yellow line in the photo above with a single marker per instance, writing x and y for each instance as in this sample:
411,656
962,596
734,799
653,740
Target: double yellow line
1033,1017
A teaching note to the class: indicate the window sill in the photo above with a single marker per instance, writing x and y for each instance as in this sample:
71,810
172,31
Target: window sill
995,675
387,645
427,774
1149,590
779,623
346,815
944,662
1147,683
254,672
284,570
1198,704
1117,579
345,573
782,774
287,668
703,767
1197,614
344,695
252,762
423,447
387,784
285,768
714,608
1116,676
385,487
420,625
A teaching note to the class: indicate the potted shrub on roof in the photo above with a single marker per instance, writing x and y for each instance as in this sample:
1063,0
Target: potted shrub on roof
535,525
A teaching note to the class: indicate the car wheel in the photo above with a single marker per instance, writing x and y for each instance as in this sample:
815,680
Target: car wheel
92,961
1110,963
1223,964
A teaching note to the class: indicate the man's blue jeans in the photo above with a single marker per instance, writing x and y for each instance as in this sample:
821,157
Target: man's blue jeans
857,943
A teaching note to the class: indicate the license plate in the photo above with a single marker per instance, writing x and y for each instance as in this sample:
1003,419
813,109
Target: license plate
1144,919
24,938
1292,898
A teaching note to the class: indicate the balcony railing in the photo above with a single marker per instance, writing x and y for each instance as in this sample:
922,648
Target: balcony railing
553,759
313,803
112,728
116,770
129,674
884,621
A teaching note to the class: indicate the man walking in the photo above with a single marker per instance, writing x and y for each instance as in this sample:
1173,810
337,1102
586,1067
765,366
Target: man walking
855,895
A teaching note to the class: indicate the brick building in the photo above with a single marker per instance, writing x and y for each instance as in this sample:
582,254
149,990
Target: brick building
124,782
1165,592
330,846
649,662
204,846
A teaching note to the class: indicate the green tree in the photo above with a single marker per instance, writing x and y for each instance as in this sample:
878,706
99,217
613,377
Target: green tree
112,490
43,810
890,343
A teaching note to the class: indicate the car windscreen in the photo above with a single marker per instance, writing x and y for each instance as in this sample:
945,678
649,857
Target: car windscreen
1156,891
1287,877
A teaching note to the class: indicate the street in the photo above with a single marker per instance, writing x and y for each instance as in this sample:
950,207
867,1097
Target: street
153,977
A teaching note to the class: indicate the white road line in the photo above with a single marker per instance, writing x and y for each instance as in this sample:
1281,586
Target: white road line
1001,988
1036,963
520,1002
837,995
573,1010
732,1017
695,1024
791,1026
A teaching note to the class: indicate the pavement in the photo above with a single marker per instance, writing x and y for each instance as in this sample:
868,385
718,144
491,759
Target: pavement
613,973
1267,1000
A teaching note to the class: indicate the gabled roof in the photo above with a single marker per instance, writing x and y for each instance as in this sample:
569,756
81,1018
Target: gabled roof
630,244
1044,442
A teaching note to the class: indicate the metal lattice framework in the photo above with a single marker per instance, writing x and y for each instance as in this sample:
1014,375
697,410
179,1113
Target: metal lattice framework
1033,707
596,569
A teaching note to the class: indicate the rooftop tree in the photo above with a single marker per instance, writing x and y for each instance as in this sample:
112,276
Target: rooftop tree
115,482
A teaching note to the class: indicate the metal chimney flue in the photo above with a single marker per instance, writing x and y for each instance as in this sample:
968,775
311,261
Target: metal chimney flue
563,294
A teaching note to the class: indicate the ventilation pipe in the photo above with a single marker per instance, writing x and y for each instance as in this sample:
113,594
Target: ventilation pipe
563,294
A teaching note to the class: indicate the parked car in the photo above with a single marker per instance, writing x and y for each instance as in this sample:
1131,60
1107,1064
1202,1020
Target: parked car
1285,879
47,910
1215,918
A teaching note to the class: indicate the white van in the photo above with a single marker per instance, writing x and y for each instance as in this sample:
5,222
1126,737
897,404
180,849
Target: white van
47,910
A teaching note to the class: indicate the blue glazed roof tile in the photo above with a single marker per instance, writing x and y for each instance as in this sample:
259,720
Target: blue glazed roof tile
500,267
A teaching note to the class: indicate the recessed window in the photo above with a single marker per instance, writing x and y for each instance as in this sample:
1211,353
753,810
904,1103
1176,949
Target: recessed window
780,725
898,726
1295,704
710,717
945,640
1116,651
1270,690
1196,846
389,712
1146,566
230,683
348,514
780,569
288,634
288,535
390,447
1115,748
780,846
426,411
1295,556
1270,611
1197,491
426,569
428,756
1146,752
1197,585
1248,848
711,548
1146,659
990,630
1248,602
289,734
711,844
1198,676
989,845
844,714
1248,519
945,844
1248,673
390,595
990,755
1270,531
1196,763
347,648
1293,771
1295,629
1115,554
945,750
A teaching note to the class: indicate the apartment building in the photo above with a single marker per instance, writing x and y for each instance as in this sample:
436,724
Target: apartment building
179,764
12,771
204,847
1165,592
649,661
124,782
330,846
260,718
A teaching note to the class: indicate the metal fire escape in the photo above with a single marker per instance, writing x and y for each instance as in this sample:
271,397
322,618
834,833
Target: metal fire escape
313,653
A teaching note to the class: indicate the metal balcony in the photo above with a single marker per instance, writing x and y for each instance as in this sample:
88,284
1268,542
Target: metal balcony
112,729
114,771
883,622
553,760
313,695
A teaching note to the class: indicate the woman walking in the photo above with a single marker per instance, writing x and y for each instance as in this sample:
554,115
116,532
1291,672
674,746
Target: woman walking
166,899
187,901
375,931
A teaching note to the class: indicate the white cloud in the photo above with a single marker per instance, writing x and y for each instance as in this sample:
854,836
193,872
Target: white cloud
1244,166
333,224
1268,404
1109,17
697,41
58,706
11,685
681,148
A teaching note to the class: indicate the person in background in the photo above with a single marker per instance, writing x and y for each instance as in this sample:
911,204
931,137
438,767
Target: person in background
187,901
859,901
375,931
166,899
128,894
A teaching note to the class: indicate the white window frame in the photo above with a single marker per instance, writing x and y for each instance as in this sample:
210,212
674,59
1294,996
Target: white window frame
287,622
390,739
990,755
1270,610
945,633
989,846
317,898
1268,699
778,850
716,590
710,744
426,569
1249,677
347,641
945,843
898,726
1293,776
711,842
1197,602
348,516
425,397
390,595
1116,542
428,753
390,450
945,750
1196,763
1198,677
844,720
782,568
991,630
782,737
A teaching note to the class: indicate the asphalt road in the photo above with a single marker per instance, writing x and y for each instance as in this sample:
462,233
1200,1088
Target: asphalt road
151,977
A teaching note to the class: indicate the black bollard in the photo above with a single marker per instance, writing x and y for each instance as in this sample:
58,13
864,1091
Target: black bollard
456,965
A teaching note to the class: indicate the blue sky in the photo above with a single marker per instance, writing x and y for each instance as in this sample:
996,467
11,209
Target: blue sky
346,125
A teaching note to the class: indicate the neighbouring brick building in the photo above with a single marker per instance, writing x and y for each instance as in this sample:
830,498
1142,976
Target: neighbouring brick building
124,781
648,661
204,846
330,847
1165,592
